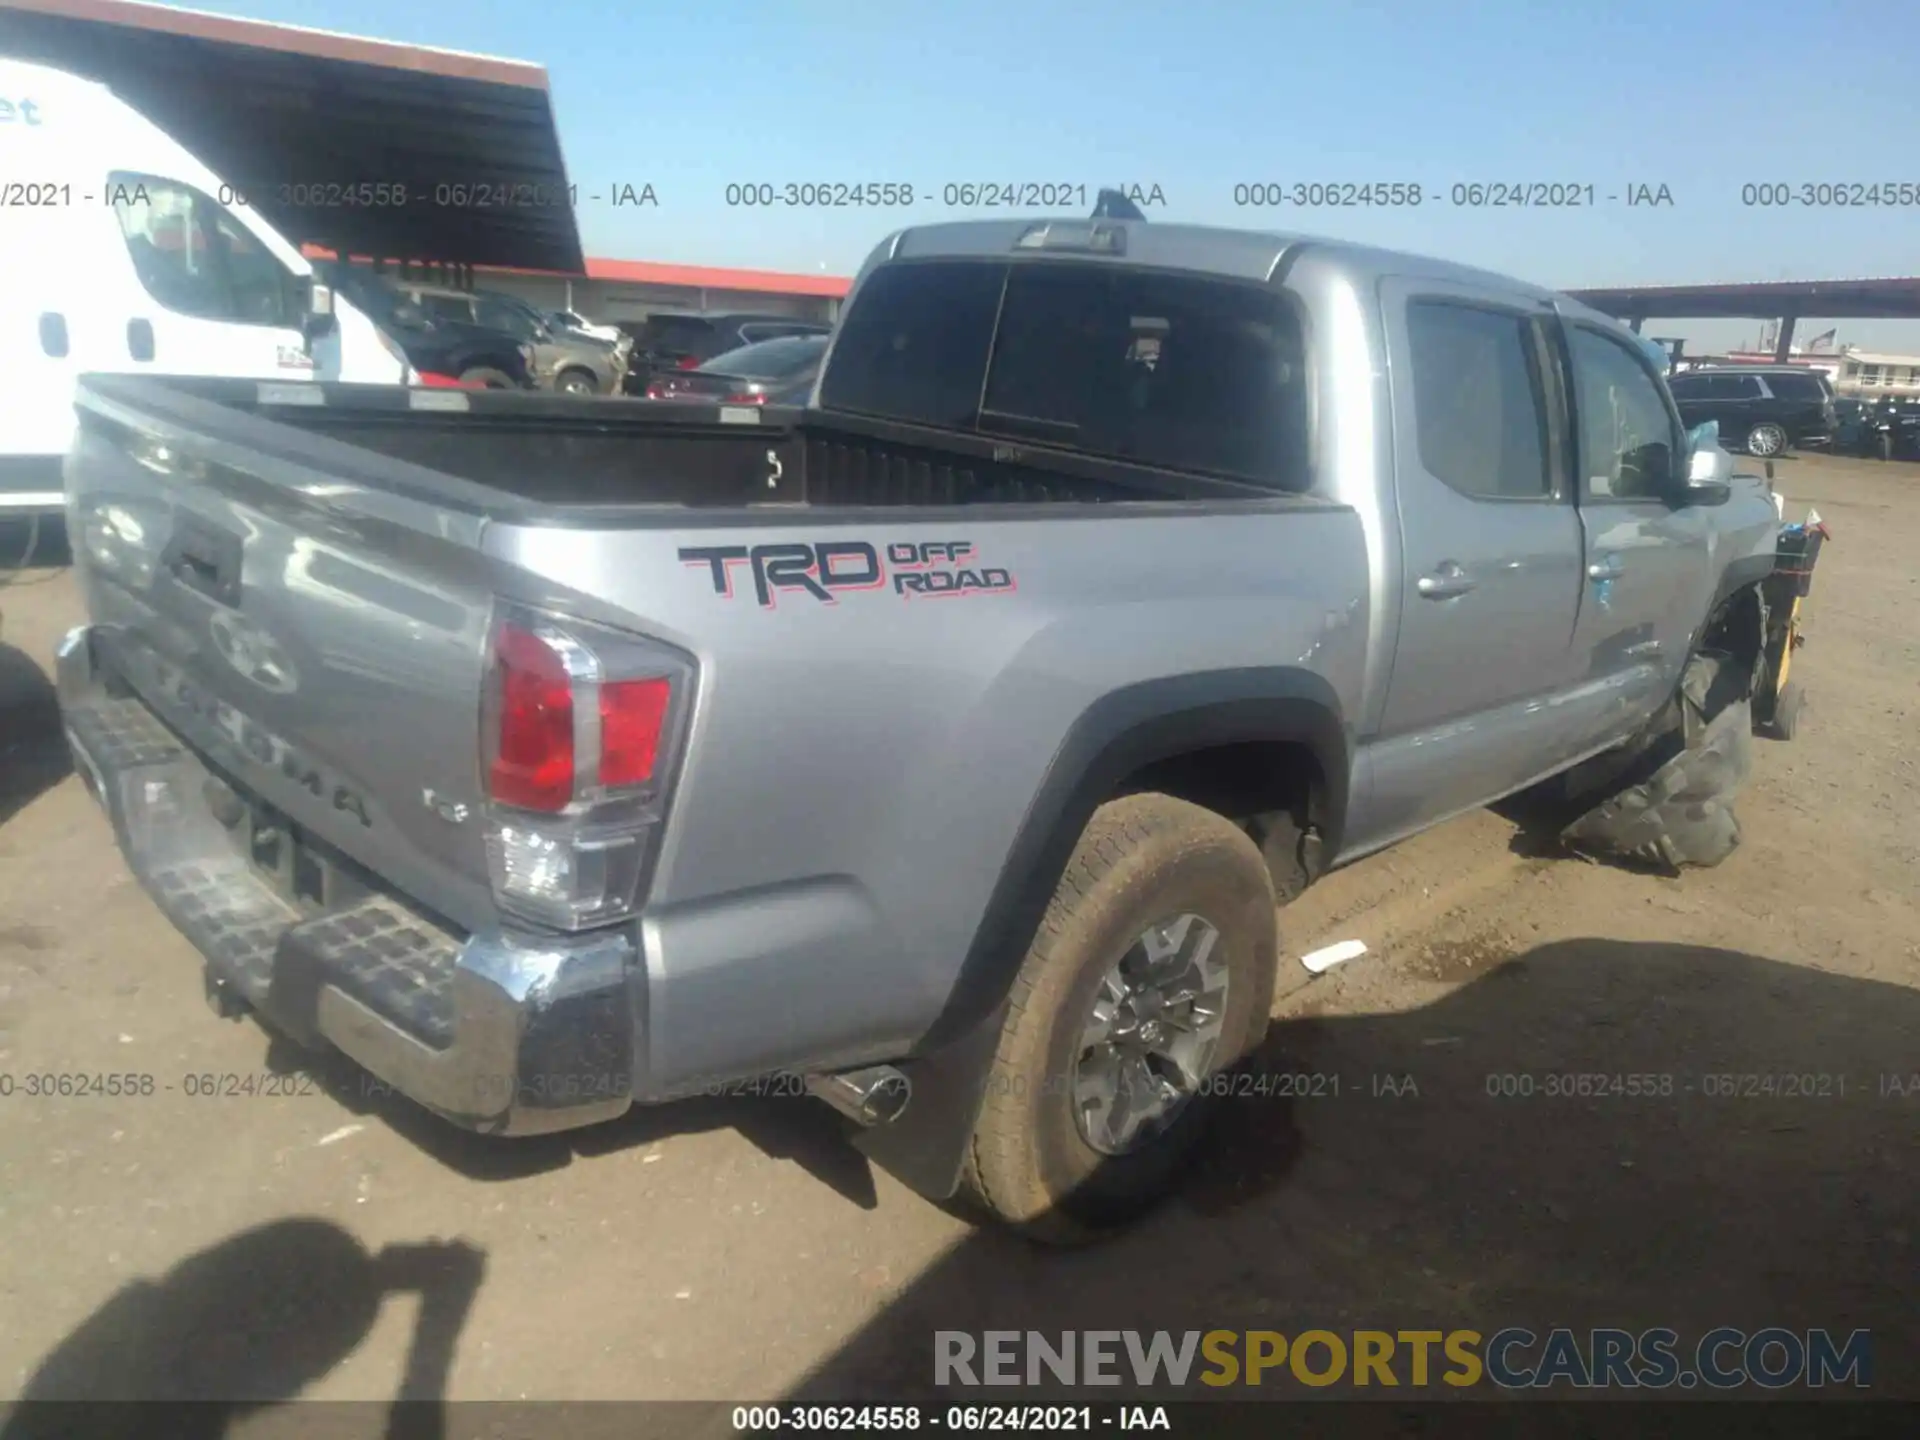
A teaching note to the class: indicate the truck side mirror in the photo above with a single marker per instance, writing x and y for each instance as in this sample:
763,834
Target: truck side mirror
1709,477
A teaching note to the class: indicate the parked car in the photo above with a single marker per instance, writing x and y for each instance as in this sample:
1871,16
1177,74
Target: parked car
575,321
811,823
442,351
436,350
570,363
751,375
1765,409
1885,428
687,341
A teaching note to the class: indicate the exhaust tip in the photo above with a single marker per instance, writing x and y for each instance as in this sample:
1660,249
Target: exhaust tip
877,1095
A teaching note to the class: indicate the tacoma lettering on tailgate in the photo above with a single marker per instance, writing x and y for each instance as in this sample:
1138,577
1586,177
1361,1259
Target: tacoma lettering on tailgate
254,740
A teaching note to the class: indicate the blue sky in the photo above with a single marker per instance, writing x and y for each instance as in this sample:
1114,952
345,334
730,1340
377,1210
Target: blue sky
1196,96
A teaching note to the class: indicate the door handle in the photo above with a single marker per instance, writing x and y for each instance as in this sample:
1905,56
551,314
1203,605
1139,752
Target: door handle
205,559
1447,581
1608,567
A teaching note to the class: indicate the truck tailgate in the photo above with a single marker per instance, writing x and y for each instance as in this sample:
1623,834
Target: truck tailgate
317,638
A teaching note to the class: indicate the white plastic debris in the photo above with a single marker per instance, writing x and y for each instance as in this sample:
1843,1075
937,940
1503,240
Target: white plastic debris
342,1133
1327,956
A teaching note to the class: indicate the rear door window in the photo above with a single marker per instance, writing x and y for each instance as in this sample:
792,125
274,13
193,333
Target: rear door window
1478,400
1173,371
446,307
1797,387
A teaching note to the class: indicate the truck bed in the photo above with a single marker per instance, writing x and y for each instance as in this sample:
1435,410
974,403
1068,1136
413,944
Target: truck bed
509,452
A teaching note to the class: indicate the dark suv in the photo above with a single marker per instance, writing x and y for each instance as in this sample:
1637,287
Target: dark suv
1765,409
686,342
564,360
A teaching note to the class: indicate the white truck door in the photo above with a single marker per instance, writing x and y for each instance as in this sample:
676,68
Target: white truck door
212,299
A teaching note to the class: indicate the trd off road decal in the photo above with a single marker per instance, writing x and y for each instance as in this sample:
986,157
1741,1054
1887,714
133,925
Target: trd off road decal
824,569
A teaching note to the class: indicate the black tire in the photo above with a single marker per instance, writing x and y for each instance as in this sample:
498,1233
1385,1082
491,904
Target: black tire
1766,441
488,378
1784,723
576,382
1142,860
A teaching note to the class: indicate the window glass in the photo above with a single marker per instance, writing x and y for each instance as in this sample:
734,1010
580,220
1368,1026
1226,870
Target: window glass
447,307
258,280
195,258
1797,387
914,346
1477,401
500,315
1175,371
1179,372
1626,435
771,359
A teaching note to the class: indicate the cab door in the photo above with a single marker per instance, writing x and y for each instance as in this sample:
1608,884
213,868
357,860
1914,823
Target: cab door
1490,554
210,298
1648,577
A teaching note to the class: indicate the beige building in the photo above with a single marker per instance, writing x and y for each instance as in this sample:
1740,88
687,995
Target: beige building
1864,374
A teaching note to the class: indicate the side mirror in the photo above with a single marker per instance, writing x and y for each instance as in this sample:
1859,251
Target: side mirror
313,304
1709,477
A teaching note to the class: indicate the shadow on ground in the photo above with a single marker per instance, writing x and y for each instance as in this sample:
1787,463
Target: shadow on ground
33,756
1403,1187
246,1324
782,1124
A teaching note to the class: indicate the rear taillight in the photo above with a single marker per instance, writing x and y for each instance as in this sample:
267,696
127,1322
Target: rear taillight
580,728
745,398
632,715
533,745
430,381
687,362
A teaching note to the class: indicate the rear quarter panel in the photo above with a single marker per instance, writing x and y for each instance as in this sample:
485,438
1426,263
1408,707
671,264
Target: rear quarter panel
859,768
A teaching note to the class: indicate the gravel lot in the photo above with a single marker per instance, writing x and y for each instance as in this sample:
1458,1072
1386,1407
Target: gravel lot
173,1243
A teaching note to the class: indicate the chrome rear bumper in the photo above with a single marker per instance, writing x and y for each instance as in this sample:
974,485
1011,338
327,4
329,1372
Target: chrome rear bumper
500,1033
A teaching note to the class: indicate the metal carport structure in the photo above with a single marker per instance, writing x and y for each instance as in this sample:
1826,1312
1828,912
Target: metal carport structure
1786,301
266,106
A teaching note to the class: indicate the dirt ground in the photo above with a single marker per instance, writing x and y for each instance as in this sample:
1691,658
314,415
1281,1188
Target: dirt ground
171,1243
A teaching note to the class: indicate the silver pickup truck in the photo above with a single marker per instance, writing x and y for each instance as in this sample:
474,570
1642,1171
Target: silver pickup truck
946,743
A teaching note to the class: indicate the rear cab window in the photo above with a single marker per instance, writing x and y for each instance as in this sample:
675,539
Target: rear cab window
1175,372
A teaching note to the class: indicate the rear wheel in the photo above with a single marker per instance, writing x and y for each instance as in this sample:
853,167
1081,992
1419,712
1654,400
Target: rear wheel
1766,440
1152,971
487,378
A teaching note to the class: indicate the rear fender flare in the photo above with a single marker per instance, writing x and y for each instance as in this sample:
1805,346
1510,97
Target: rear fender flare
1113,738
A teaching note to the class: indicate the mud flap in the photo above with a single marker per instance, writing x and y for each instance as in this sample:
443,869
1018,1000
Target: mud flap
1682,813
